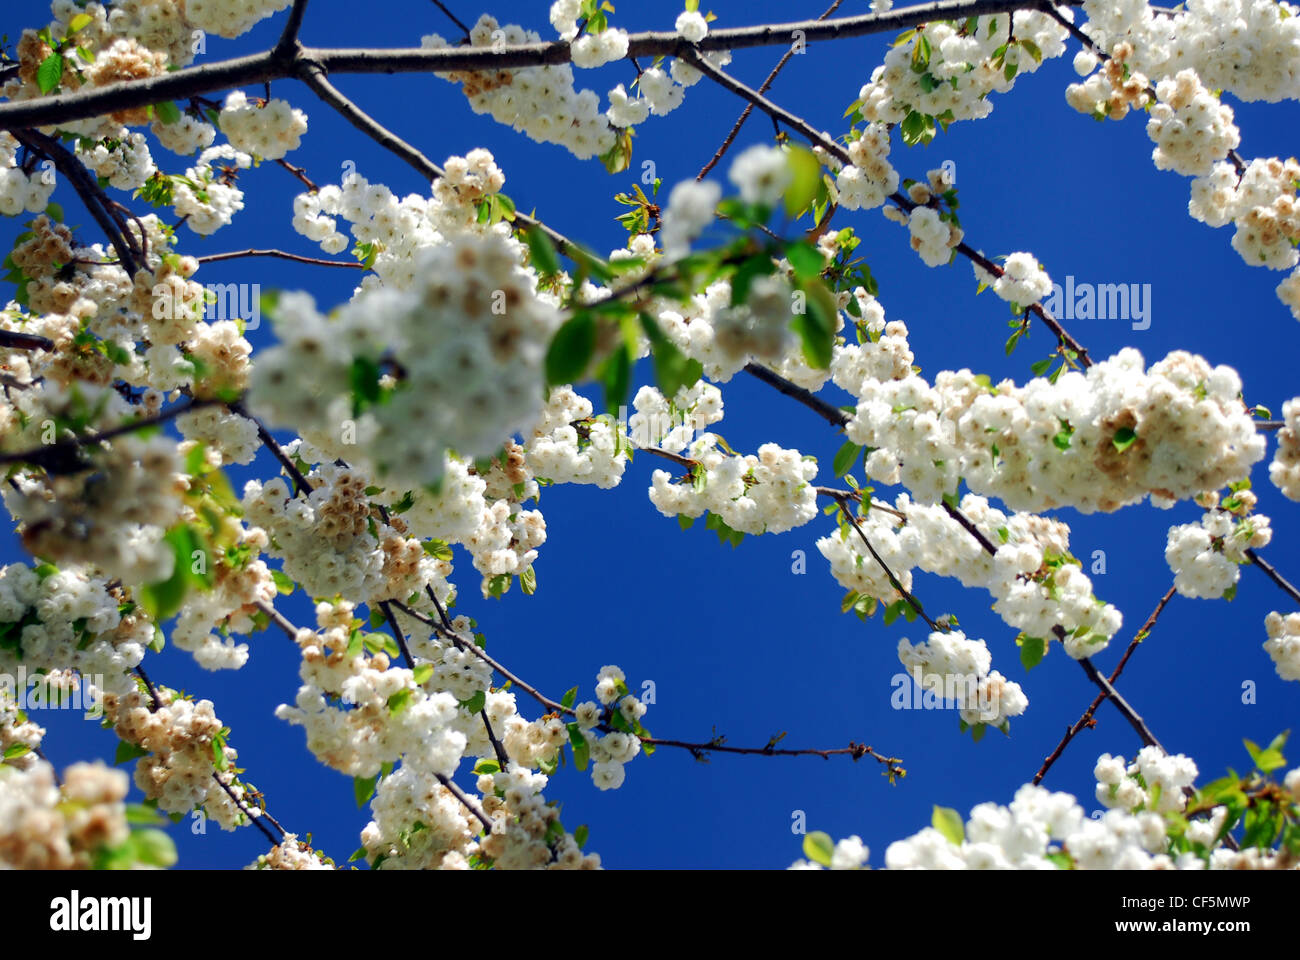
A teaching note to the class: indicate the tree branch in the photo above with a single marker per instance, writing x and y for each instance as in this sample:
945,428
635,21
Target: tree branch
1087,719
52,452
1271,572
281,254
804,129
749,108
827,411
267,66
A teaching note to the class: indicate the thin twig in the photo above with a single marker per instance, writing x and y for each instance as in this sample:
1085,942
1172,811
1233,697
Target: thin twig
893,580
468,804
749,108
1271,572
281,254
855,750
1087,719
808,132
1134,719
270,443
46,451
452,17
827,411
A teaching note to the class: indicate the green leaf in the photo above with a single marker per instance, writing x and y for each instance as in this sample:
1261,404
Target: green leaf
541,252
364,788
153,848
580,836
805,259
163,599
16,750
816,325
1032,651
283,583
79,22
475,703
569,697
581,749
422,673
845,457
818,847
166,111
128,751
673,369
805,181
137,814
1124,438
571,350
615,376
50,73
949,823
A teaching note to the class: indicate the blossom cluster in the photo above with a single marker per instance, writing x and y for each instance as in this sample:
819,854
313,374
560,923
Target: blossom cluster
61,620
187,765
768,493
267,129
1284,470
1154,780
1042,830
948,69
459,353
48,825
1283,643
1250,48
1038,587
540,102
1206,557
963,666
1096,441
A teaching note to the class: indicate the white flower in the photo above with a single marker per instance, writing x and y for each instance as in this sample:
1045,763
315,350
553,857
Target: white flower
691,26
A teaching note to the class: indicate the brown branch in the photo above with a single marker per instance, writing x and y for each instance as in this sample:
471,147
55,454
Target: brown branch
268,441
88,188
279,63
1087,719
16,340
288,41
893,580
300,174
52,453
466,802
970,528
827,411
279,619
281,254
313,73
855,750
1271,572
1134,719
452,17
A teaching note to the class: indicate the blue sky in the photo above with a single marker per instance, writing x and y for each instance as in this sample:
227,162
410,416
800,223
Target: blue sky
732,638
